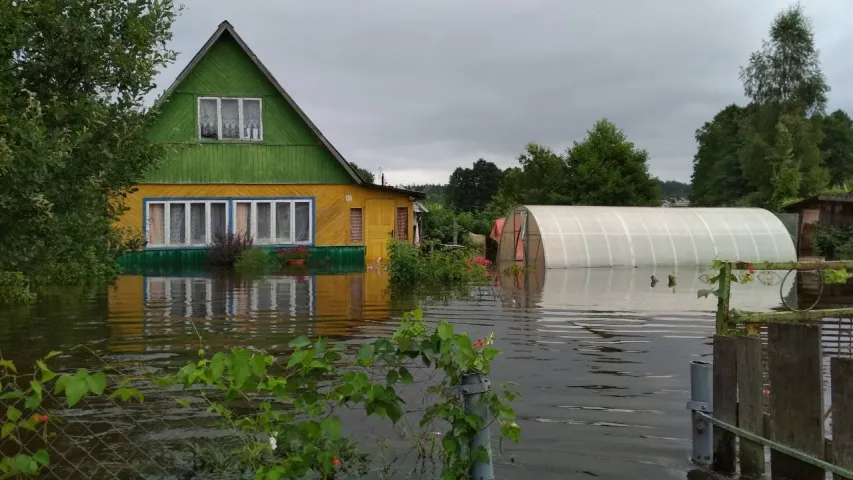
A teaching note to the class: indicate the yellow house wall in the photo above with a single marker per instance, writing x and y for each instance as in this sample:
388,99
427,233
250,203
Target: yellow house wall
330,203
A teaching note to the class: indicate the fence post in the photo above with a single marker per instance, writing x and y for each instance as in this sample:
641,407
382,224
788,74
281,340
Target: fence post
723,294
701,385
473,388
750,411
841,370
725,402
796,398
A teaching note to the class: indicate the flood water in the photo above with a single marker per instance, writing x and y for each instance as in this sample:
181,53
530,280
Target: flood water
601,356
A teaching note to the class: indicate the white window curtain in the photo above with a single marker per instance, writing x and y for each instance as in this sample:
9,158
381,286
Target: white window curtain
177,224
208,124
252,119
230,110
303,221
282,222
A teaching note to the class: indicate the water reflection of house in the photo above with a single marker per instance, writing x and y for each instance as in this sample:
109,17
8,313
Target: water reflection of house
165,313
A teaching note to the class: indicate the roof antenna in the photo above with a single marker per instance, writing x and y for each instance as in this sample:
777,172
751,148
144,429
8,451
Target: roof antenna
381,177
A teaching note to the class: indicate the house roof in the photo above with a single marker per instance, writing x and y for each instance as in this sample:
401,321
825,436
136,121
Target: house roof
226,27
843,198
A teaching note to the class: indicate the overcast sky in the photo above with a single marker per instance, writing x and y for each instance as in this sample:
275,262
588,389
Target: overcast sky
420,87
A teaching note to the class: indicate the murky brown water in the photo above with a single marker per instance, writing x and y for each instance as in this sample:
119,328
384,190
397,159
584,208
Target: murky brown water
601,356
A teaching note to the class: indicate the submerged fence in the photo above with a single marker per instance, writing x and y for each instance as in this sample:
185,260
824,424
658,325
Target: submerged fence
735,416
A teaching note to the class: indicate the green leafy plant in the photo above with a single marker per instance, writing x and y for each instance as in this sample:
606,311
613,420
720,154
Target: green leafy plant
27,420
284,410
15,288
834,242
743,277
73,148
254,261
413,267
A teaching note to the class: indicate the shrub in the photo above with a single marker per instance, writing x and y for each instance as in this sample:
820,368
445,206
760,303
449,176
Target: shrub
254,260
835,242
226,248
413,267
15,288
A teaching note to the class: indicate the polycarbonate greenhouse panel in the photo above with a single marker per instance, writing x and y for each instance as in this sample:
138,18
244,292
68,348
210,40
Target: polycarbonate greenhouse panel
582,236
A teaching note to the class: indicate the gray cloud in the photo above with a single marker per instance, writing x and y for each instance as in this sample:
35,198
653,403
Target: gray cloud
421,87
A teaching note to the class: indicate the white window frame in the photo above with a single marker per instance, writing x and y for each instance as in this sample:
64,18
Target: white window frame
167,228
219,119
253,216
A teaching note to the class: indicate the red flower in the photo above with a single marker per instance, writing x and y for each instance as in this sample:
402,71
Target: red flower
336,462
479,343
751,270
766,392
44,418
36,418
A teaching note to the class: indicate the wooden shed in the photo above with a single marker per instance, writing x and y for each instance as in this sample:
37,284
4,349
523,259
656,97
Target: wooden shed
823,210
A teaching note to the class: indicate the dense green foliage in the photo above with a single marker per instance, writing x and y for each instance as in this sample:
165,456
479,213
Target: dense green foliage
15,289
602,169
471,189
255,261
281,413
412,267
834,243
365,174
73,78
674,189
781,146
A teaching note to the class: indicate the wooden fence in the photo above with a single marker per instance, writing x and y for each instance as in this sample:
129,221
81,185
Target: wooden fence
789,417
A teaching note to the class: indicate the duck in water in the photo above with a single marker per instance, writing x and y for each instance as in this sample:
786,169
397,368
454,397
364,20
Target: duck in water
654,281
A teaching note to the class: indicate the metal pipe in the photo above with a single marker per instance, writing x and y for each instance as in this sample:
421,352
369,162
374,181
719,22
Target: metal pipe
701,400
473,388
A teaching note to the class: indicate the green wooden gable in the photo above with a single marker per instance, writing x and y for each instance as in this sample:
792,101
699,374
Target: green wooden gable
293,150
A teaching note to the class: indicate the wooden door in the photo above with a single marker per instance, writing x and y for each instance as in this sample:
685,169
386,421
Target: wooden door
380,218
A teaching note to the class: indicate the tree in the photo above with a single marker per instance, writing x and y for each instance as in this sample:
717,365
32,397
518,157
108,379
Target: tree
717,179
606,169
741,158
785,82
785,180
435,193
674,189
786,71
470,189
837,147
73,78
541,179
365,175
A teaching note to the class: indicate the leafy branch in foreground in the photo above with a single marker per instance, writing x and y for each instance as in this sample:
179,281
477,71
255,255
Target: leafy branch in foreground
27,421
285,409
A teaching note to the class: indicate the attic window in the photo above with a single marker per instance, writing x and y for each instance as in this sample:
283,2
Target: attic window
230,119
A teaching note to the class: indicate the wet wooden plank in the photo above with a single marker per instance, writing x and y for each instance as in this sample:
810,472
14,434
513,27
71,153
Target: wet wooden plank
796,398
841,371
750,385
725,401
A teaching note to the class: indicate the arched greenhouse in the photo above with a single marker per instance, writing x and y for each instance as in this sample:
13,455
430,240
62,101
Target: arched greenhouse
547,237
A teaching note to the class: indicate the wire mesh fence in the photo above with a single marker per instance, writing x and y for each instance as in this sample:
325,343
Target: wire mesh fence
139,429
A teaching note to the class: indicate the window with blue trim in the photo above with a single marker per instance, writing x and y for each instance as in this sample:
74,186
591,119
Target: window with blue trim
185,222
275,222
198,222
